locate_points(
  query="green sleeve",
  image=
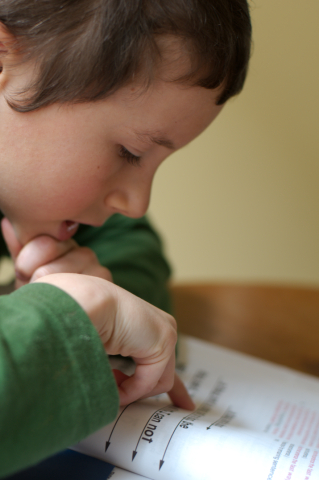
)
(132, 251)
(56, 384)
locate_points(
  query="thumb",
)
(13, 244)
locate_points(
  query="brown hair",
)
(85, 50)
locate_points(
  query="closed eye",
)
(132, 159)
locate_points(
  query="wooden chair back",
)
(276, 323)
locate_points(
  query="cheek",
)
(80, 182)
(72, 191)
(54, 193)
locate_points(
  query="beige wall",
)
(241, 202)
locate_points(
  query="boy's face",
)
(69, 164)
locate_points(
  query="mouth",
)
(68, 228)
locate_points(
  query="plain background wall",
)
(241, 202)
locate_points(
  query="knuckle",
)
(21, 265)
(167, 344)
(171, 320)
(171, 332)
(174, 337)
(88, 254)
(44, 242)
(104, 273)
(21, 274)
(169, 336)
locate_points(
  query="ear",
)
(7, 41)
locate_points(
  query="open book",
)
(253, 421)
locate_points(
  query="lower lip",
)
(67, 230)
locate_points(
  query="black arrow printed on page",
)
(162, 460)
(108, 443)
(202, 410)
(199, 412)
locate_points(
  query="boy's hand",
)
(44, 255)
(126, 324)
(131, 327)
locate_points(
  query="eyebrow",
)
(158, 139)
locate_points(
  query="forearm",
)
(56, 383)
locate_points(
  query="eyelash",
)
(132, 159)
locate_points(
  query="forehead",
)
(165, 113)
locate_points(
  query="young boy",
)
(94, 95)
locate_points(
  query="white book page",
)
(254, 421)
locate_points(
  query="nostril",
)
(117, 201)
(132, 202)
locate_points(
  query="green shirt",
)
(56, 384)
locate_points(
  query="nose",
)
(130, 197)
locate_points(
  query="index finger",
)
(147, 380)
(40, 251)
(180, 396)
(141, 386)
